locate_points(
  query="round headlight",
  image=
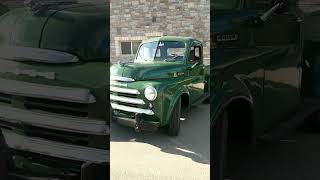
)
(150, 93)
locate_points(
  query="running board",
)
(306, 108)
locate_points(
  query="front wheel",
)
(219, 143)
(174, 123)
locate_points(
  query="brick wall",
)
(141, 19)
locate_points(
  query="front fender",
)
(3, 9)
(172, 93)
(223, 95)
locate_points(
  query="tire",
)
(3, 158)
(174, 122)
(219, 144)
(313, 123)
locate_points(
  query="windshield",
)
(224, 5)
(167, 51)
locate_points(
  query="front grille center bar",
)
(54, 121)
(19, 88)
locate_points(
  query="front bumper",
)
(138, 123)
(132, 109)
(89, 171)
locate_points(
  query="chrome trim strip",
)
(54, 121)
(126, 99)
(20, 53)
(132, 109)
(55, 149)
(124, 90)
(68, 94)
(120, 78)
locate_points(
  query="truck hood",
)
(65, 28)
(146, 71)
(82, 75)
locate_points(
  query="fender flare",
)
(3, 9)
(3, 156)
(225, 104)
(176, 95)
(235, 89)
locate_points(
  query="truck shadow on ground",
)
(193, 141)
(296, 157)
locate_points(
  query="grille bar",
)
(68, 94)
(55, 149)
(54, 121)
(127, 100)
(124, 90)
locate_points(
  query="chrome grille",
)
(126, 101)
(48, 114)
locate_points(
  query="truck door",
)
(280, 38)
(196, 73)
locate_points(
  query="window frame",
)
(194, 47)
(131, 47)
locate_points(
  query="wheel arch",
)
(181, 92)
(235, 107)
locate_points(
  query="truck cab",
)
(166, 75)
(255, 74)
(53, 91)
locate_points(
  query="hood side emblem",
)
(34, 73)
(227, 37)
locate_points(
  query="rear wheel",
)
(174, 123)
(219, 143)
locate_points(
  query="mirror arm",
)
(265, 16)
(194, 65)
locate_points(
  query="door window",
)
(195, 54)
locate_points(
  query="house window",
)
(129, 47)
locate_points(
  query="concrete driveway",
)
(156, 156)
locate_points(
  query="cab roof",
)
(171, 38)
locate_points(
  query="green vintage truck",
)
(166, 76)
(54, 120)
(264, 75)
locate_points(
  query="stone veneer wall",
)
(141, 19)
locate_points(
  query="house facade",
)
(136, 20)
